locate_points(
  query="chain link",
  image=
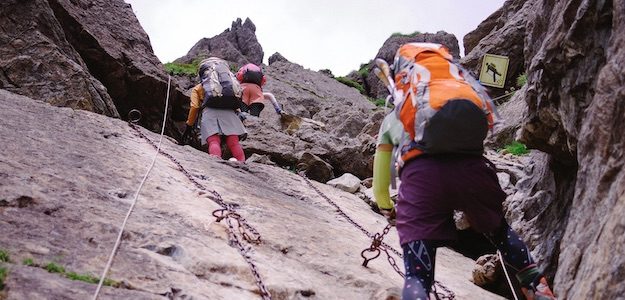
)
(378, 245)
(228, 213)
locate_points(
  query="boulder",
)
(261, 159)
(346, 182)
(276, 57)
(314, 167)
(487, 270)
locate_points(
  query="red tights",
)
(232, 141)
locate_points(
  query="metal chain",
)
(228, 213)
(377, 245)
(445, 294)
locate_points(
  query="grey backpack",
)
(221, 88)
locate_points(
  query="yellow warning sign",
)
(494, 70)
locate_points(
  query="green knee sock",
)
(527, 276)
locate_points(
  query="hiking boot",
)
(538, 290)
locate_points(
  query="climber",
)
(217, 97)
(252, 79)
(445, 115)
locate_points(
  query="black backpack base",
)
(226, 102)
(459, 127)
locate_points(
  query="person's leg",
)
(214, 145)
(256, 108)
(481, 200)
(419, 260)
(235, 148)
(517, 257)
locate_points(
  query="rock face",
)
(117, 51)
(66, 206)
(349, 120)
(237, 44)
(513, 112)
(37, 60)
(372, 84)
(575, 53)
(494, 23)
(91, 55)
(503, 33)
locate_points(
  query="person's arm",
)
(196, 102)
(382, 176)
(274, 102)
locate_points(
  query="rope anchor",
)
(367, 259)
(134, 116)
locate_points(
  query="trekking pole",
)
(503, 265)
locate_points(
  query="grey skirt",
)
(220, 121)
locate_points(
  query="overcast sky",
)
(323, 34)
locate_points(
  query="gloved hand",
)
(186, 135)
(242, 116)
(389, 214)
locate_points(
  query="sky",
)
(323, 34)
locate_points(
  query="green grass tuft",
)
(364, 70)
(82, 277)
(521, 80)
(28, 262)
(91, 279)
(380, 102)
(111, 282)
(516, 148)
(181, 69)
(4, 256)
(54, 268)
(348, 82)
(3, 275)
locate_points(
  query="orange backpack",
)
(443, 109)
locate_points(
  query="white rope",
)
(134, 201)
(503, 96)
(503, 265)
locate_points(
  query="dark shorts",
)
(432, 187)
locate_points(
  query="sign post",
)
(494, 70)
